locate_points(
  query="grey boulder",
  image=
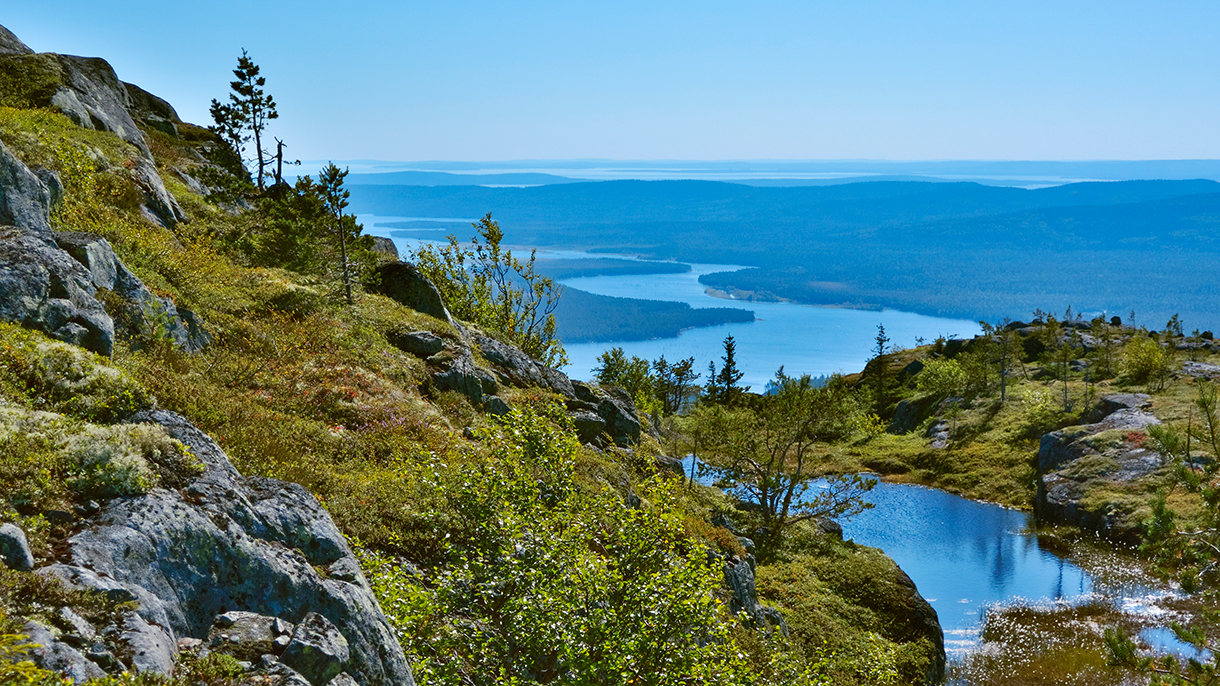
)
(317, 651)
(417, 343)
(403, 282)
(224, 543)
(59, 656)
(25, 200)
(42, 288)
(15, 549)
(139, 313)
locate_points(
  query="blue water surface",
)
(963, 555)
(802, 338)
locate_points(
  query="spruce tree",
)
(334, 198)
(722, 388)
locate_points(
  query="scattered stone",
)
(459, 374)
(589, 425)
(159, 205)
(101, 656)
(1201, 370)
(152, 647)
(58, 656)
(939, 433)
(15, 549)
(418, 343)
(80, 626)
(830, 527)
(317, 651)
(494, 404)
(910, 371)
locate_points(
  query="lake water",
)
(964, 555)
(802, 338)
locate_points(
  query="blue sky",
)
(699, 80)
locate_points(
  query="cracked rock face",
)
(1077, 459)
(224, 546)
(42, 288)
(25, 201)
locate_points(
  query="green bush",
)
(1145, 360)
(490, 287)
(942, 378)
(50, 375)
(546, 581)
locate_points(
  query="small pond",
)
(967, 556)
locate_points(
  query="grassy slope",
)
(299, 387)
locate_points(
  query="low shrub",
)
(49, 375)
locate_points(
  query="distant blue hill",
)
(954, 249)
(433, 178)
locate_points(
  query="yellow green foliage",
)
(543, 580)
(15, 667)
(942, 378)
(1145, 360)
(29, 80)
(844, 603)
(49, 375)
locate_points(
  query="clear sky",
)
(691, 80)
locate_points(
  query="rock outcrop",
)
(1108, 452)
(43, 288)
(476, 365)
(404, 283)
(87, 91)
(12, 45)
(137, 312)
(55, 282)
(252, 560)
(739, 578)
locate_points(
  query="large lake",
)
(802, 338)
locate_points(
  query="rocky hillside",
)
(220, 472)
(1053, 416)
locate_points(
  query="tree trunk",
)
(347, 278)
(258, 149)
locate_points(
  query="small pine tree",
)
(334, 198)
(248, 110)
(878, 370)
(722, 388)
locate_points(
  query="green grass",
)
(843, 602)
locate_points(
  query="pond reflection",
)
(963, 555)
